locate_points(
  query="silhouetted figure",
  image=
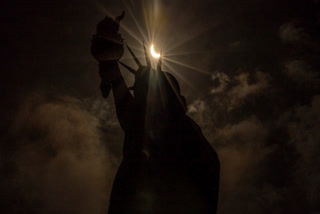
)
(168, 166)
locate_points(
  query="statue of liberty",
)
(168, 165)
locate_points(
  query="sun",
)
(153, 53)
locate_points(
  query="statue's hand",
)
(107, 44)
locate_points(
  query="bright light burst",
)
(151, 28)
(153, 53)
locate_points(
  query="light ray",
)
(146, 55)
(147, 21)
(182, 42)
(138, 54)
(135, 21)
(171, 69)
(188, 66)
(124, 27)
(134, 56)
(186, 53)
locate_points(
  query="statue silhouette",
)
(168, 166)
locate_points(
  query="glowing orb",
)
(153, 53)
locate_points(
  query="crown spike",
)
(128, 67)
(146, 55)
(159, 62)
(134, 56)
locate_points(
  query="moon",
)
(153, 53)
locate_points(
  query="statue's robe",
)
(168, 165)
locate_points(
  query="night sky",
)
(248, 69)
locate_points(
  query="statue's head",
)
(156, 92)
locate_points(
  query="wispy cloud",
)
(300, 72)
(62, 164)
(291, 33)
(223, 81)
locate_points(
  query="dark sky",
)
(249, 70)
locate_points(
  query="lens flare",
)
(153, 53)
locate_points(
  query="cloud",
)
(223, 80)
(243, 149)
(203, 115)
(303, 129)
(254, 166)
(302, 124)
(62, 164)
(244, 89)
(263, 171)
(291, 33)
(198, 106)
(233, 92)
(300, 72)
